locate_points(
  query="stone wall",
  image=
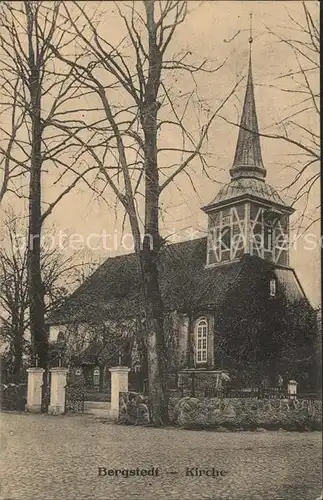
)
(246, 414)
(227, 414)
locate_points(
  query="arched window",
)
(96, 376)
(201, 333)
(60, 337)
(136, 367)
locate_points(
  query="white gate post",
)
(57, 390)
(292, 389)
(119, 383)
(34, 389)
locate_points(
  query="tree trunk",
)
(17, 364)
(35, 284)
(157, 374)
(157, 379)
(101, 380)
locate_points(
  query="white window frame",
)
(201, 340)
(272, 287)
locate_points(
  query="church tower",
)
(248, 216)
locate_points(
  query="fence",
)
(308, 395)
(257, 393)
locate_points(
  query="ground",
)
(48, 457)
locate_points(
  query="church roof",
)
(250, 188)
(113, 291)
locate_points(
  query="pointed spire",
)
(248, 160)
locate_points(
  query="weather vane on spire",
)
(250, 37)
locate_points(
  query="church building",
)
(233, 304)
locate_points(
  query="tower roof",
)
(247, 188)
(248, 159)
(248, 172)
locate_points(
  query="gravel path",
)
(57, 458)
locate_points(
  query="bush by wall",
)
(133, 409)
(13, 397)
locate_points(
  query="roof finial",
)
(250, 37)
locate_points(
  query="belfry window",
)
(268, 237)
(201, 334)
(226, 238)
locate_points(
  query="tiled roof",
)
(113, 291)
(292, 287)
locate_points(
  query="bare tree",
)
(61, 274)
(138, 85)
(36, 91)
(13, 296)
(11, 171)
(299, 125)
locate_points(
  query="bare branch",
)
(198, 147)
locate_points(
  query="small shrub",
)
(13, 397)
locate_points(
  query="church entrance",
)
(87, 385)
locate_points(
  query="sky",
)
(218, 31)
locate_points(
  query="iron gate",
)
(75, 393)
(46, 391)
